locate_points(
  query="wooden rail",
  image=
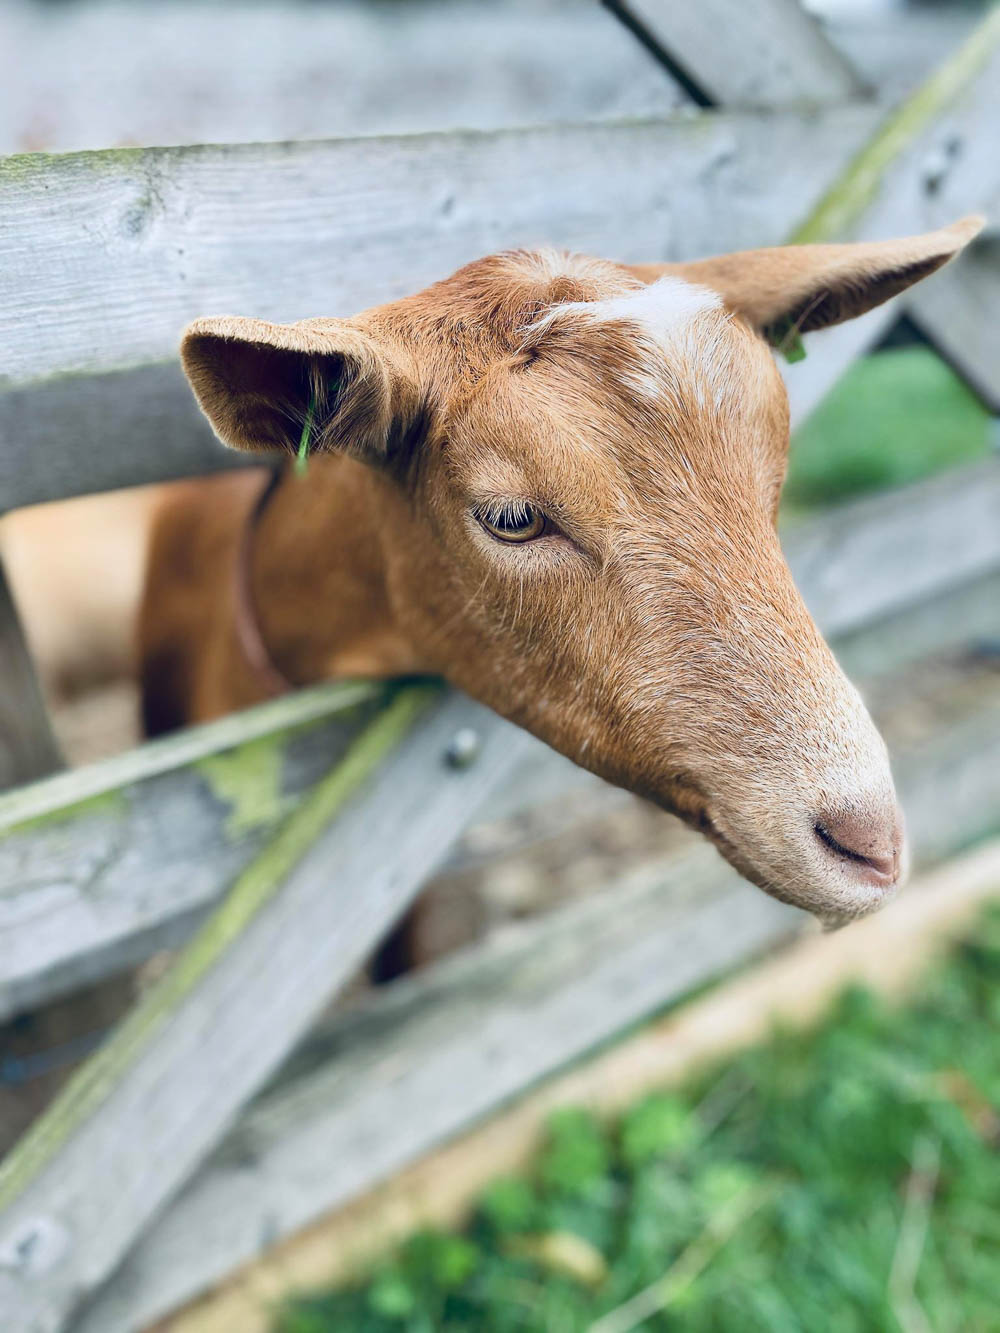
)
(93, 397)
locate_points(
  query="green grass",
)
(895, 416)
(833, 1180)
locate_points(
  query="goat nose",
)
(869, 843)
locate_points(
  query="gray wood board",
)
(83, 434)
(764, 53)
(957, 310)
(28, 748)
(185, 1080)
(100, 867)
(454, 1043)
(139, 242)
(102, 851)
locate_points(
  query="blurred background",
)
(78, 74)
(846, 1178)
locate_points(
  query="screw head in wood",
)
(34, 1247)
(463, 748)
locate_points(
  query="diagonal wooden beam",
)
(770, 52)
(742, 52)
(143, 1113)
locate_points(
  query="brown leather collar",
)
(270, 677)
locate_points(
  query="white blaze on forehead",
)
(670, 333)
(662, 308)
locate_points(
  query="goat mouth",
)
(699, 819)
(702, 822)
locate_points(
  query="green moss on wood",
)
(842, 205)
(110, 803)
(248, 780)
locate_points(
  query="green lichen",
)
(855, 189)
(248, 780)
(103, 803)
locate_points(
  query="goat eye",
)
(514, 521)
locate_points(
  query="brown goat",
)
(552, 480)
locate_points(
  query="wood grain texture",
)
(100, 867)
(28, 748)
(138, 1119)
(772, 52)
(764, 53)
(453, 1043)
(90, 859)
(139, 242)
(957, 310)
(144, 240)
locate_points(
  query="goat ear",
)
(804, 287)
(259, 384)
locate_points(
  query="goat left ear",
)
(806, 287)
(259, 384)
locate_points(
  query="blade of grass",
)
(692, 1261)
(920, 1187)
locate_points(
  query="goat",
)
(553, 480)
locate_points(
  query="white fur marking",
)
(663, 314)
(660, 309)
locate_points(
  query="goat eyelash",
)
(511, 521)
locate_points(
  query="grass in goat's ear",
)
(786, 337)
(302, 456)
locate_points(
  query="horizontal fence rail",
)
(91, 395)
(147, 239)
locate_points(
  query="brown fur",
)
(652, 633)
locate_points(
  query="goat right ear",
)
(806, 287)
(259, 384)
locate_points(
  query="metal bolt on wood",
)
(34, 1247)
(464, 748)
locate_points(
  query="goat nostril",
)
(873, 845)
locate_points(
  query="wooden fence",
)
(179, 1150)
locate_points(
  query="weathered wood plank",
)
(82, 434)
(452, 1044)
(781, 55)
(28, 748)
(725, 181)
(142, 1113)
(147, 841)
(733, 53)
(957, 310)
(885, 552)
(90, 858)
(142, 241)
